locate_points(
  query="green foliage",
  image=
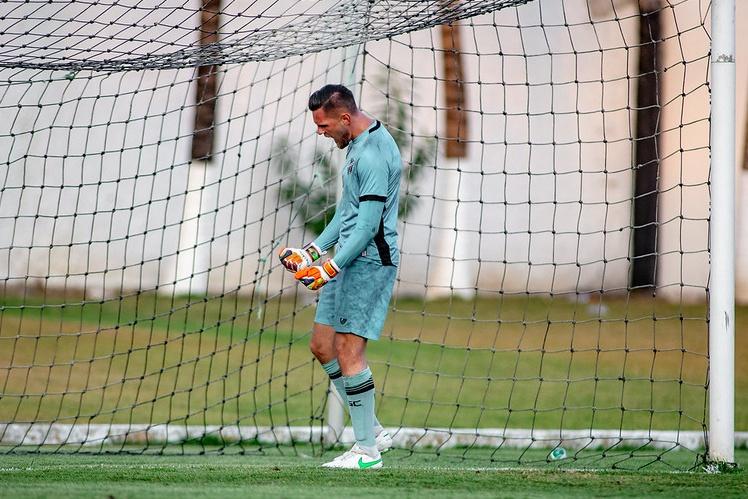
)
(314, 200)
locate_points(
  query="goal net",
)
(554, 225)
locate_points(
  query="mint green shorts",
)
(357, 300)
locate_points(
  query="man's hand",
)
(317, 276)
(295, 259)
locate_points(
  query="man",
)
(356, 285)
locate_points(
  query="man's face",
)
(333, 124)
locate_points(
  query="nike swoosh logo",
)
(363, 465)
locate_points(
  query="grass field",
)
(516, 362)
(638, 364)
(298, 476)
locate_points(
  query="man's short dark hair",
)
(332, 97)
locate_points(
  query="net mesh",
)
(116, 36)
(554, 225)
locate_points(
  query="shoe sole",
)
(375, 467)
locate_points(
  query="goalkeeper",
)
(356, 285)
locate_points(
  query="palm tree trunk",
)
(193, 259)
(454, 91)
(452, 270)
(646, 170)
(205, 97)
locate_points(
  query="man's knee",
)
(322, 343)
(317, 347)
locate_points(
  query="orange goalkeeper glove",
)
(295, 259)
(317, 276)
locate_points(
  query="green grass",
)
(513, 362)
(289, 474)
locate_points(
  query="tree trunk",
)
(453, 269)
(205, 97)
(454, 91)
(646, 170)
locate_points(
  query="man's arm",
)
(370, 211)
(373, 176)
(330, 234)
(373, 179)
(369, 215)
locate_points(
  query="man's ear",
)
(345, 118)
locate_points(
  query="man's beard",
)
(343, 142)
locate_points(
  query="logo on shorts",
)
(343, 320)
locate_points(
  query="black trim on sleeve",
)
(372, 197)
(375, 127)
(382, 247)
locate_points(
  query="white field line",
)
(406, 438)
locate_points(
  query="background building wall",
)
(96, 164)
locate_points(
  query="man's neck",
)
(360, 123)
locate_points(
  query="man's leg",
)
(322, 343)
(359, 389)
(322, 346)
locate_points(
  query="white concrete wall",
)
(741, 109)
(103, 210)
(93, 173)
(590, 246)
(538, 150)
(683, 265)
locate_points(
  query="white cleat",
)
(356, 459)
(384, 441)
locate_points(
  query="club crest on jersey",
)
(350, 166)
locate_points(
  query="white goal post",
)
(722, 236)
